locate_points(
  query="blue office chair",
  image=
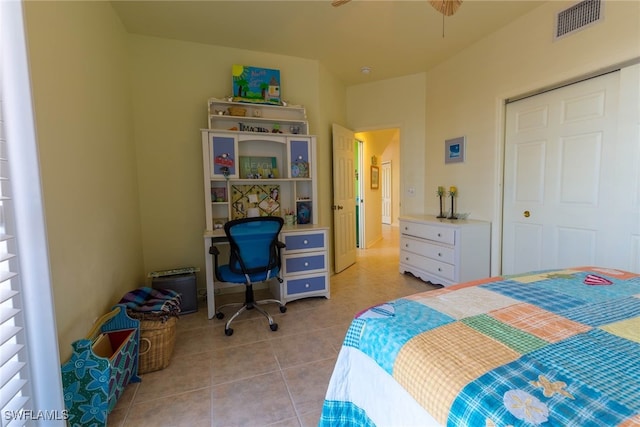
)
(254, 257)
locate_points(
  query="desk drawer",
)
(430, 250)
(306, 284)
(306, 241)
(438, 234)
(304, 263)
(429, 265)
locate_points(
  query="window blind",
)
(13, 358)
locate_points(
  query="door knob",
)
(526, 214)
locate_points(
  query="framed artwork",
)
(375, 177)
(454, 150)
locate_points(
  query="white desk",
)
(305, 264)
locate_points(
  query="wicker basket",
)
(157, 339)
(237, 111)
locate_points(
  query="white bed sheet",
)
(358, 379)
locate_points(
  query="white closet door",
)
(570, 178)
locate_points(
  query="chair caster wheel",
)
(283, 309)
(274, 327)
(219, 315)
(228, 332)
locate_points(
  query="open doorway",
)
(376, 150)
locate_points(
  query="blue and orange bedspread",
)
(557, 348)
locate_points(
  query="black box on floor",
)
(185, 284)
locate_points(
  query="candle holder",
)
(440, 194)
(451, 214)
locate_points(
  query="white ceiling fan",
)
(445, 7)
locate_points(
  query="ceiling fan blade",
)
(446, 7)
(336, 3)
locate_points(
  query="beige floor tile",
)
(308, 385)
(243, 361)
(184, 374)
(191, 409)
(257, 401)
(293, 350)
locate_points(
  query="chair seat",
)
(227, 275)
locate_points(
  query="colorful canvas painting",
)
(256, 85)
(264, 197)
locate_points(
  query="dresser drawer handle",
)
(406, 245)
(439, 254)
(306, 264)
(306, 285)
(439, 235)
(407, 258)
(305, 241)
(439, 269)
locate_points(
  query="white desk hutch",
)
(260, 158)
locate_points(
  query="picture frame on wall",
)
(375, 177)
(454, 150)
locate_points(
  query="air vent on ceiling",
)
(577, 17)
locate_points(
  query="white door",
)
(344, 198)
(386, 192)
(569, 180)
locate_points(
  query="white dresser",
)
(445, 251)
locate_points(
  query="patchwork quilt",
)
(550, 348)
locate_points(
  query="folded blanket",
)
(164, 302)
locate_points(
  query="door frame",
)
(501, 119)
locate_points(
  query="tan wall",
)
(79, 74)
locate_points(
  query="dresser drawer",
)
(425, 231)
(304, 241)
(430, 250)
(306, 284)
(304, 263)
(429, 265)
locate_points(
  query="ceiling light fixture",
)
(365, 70)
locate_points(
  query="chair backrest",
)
(253, 243)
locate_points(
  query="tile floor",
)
(257, 377)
